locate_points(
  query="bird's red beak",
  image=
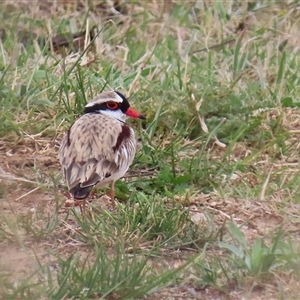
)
(134, 114)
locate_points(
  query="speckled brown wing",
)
(97, 149)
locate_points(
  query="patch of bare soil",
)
(20, 261)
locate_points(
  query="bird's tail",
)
(79, 192)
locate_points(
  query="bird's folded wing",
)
(92, 151)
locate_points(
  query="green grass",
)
(210, 207)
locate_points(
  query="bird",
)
(99, 146)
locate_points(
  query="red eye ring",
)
(112, 105)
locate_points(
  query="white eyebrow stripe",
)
(118, 99)
(90, 104)
(100, 100)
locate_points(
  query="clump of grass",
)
(145, 222)
(111, 274)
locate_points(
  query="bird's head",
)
(113, 104)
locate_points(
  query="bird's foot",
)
(73, 202)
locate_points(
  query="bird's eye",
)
(112, 105)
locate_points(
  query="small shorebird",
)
(99, 147)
